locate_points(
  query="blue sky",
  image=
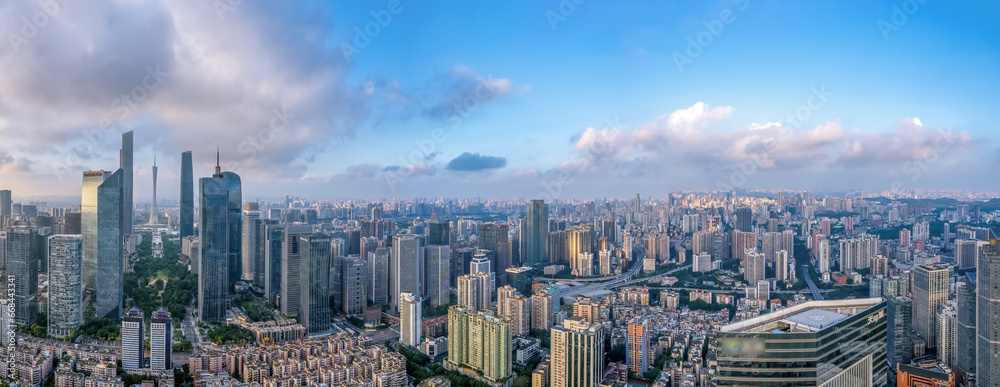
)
(554, 69)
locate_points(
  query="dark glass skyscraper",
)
(439, 233)
(535, 234)
(5, 203)
(187, 196)
(213, 233)
(820, 343)
(899, 325)
(126, 166)
(22, 251)
(110, 243)
(744, 219)
(235, 226)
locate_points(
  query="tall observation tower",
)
(152, 213)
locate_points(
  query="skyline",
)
(603, 107)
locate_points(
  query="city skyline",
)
(870, 96)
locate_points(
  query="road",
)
(638, 253)
(812, 286)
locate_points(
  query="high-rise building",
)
(781, 268)
(274, 242)
(925, 374)
(160, 342)
(701, 263)
(604, 259)
(475, 291)
(770, 244)
(378, 276)
(577, 357)
(406, 268)
(898, 326)
(742, 242)
(479, 341)
(753, 267)
(543, 309)
(133, 351)
(967, 253)
(817, 343)
(437, 267)
(126, 184)
(637, 349)
(536, 234)
(111, 233)
(987, 313)
(744, 219)
(251, 213)
(213, 237)
(353, 285)
(88, 224)
(187, 196)
(410, 319)
(965, 334)
(947, 329)
(5, 204)
(65, 306)
(259, 243)
(235, 208)
(313, 303)
(152, 211)
(520, 279)
(438, 233)
(930, 291)
(493, 237)
(22, 251)
(823, 256)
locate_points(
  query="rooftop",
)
(813, 316)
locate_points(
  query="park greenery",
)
(160, 282)
(230, 334)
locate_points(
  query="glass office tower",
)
(820, 343)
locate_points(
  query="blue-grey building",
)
(187, 196)
(110, 246)
(213, 233)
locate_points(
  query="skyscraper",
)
(314, 301)
(543, 309)
(577, 354)
(187, 196)
(781, 271)
(353, 285)
(493, 237)
(235, 206)
(965, 335)
(133, 327)
(406, 268)
(250, 252)
(753, 267)
(898, 326)
(378, 276)
(22, 251)
(438, 233)
(437, 267)
(930, 291)
(152, 212)
(987, 314)
(637, 350)
(833, 343)
(159, 340)
(110, 246)
(274, 242)
(410, 319)
(536, 234)
(475, 291)
(65, 306)
(947, 328)
(5, 203)
(213, 235)
(744, 219)
(88, 225)
(126, 183)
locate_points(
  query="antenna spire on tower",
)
(218, 170)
